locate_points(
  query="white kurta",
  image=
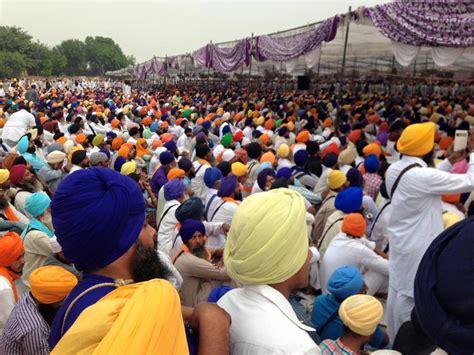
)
(7, 301)
(167, 226)
(197, 183)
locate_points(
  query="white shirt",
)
(167, 226)
(222, 214)
(197, 183)
(17, 125)
(7, 301)
(263, 322)
(184, 143)
(358, 252)
(416, 217)
(322, 184)
(379, 233)
(74, 168)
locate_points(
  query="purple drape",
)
(152, 66)
(283, 49)
(230, 58)
(434, 23)
(201, 56)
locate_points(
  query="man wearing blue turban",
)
(344, 282)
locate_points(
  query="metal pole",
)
(250, 62)
(341, 83)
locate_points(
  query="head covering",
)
(98, 157)
(4, 176)
(372, 148)
(283, 151)
(192, 208)
(444, 289)
(173, 189)
(17, 172)
(98, 140)
(111, 210)
(329, 160)
(361, 314)
(269, 157)
(51, 284)
(228, 155)
(53, 147)
(226, 140)
(117, 142)
(11, 248)
(23, 144)
(354, 136)
(227, 186)
(347, 156)
(265, 139)
(302, 137)
(354, 224)
(355, 177)
(140, 318)
(262, 177)
(175, 173)
(119, 163)
(9, 159)
(189, 227)
(124, 151)
(301, 157)
(37, 203)
(284, 172)
(211, 175)
(345, 281)
(128, 168)
(239, 169)
(217, 293)
(254, 150)
(336, 179)
(267, 242)
(349, 200)
(417, 139)
(166, 158)
(371, 163)
(56, 157)
(78, 156)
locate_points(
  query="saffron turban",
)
(267, 242)
(192, 208)
(128, 168)
(37, 203)
(239, 169)
(349, 200)
(117, 143)
(345, 281)
(211, 175)
(361, 314)
(56, 157)
(4, 175)
(175, 173)
(417, 139)
(347, 156)
(51, 284)
(227, 186)
(371, 163)
(336, 179)
(302, 137)
(354, 224)
(283, 151)
(141, 318)
(111, 210)
(17, 172)
(372, 148)
(189, 227)
(265, 139)
(123, 151)
(11, 248)
(269, 157)
(173, 189)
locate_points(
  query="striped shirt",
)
(335, 347)
(26, 332)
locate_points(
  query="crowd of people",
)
(200, 221)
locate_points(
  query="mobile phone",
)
(460, 140)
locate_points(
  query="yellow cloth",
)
(4, 175)
(361, 313)
(283, 151)
(239, 169)
(336, 179)
(450, 218)
(417, 139)
(51, 284)
(128, 168)
(259, 121)
(73, 150)
(267, 242)
(142, 318)
(347, 156)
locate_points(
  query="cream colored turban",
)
(361, 313)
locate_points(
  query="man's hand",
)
(225, 228)
(457, 156)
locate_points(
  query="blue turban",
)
(53, 147)
(371, 163)
(171, 146)
(111, 134)
(329, 160)
(96, 225)
(207, 124)
(345, 281)
(225, 129)
(349, 200)
(23, 144)
(282, 131)
(301, 157)
(345, 128)
(211, 175)
(37, 203)
(444, 289)
(217, 293)
(173, 189)
(227, 186)
(118, 163)
(248, 121)
(301, 112)
(354, 176)
(189, 227)
(263, 166)
(284, 173)
(192, 208)
(166, 158)
(262, 177)
(154, 126)
(106, 152)
(164, 116)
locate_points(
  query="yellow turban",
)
(239, 169)
(283, 151)
(347, 156)
(267, 241)
(4, 175)
(336, 179)
(142, 318)
(450, 218)
(417, 139)
(260, 121)
(128, 168)
(291, 126)
(361, 313)
(51, 284)
(73, 150)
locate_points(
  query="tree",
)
(131, 59)
(12, 64)
(103, 54)
(74, 52)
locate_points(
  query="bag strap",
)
(217, 209)
(163, 216)
(395, 185)
(326, 200)
(209, 205)
(327, 230)
(251, 166)
(200, 166)
(327, 322)
(377, 218)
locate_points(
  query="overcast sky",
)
(146, 28)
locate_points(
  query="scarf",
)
(36, 225)
(230, 199)
(10, 214)
(185, 249)
(203, 162)
(11, 277)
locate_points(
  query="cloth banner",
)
(312, 58)
(228, 59)
(201, 56)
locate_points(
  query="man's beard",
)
(31, 150)
(199, 251)
(47, 220)
(3, 202)
(429, 159)
(238, 196)
(147, 265)
(48, 312)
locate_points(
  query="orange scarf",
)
(185, 249)
(230, 199)
(204, 162)
(11, 277)
(10, 214)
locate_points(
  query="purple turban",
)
(284, 173)
(118, 163)
(189, 227)
(166, 158)
(171, 146)
(227, 186)
(355, 177)
(262, 177)
(173, 189)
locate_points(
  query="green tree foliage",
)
(74, 52)
(103, 54)
(12, 64)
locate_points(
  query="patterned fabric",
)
(335, 347)
(372, 184)
(26, 332)
(227, 59)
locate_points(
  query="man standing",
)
(416, 217)
(17, 125)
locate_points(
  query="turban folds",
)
(192, 208)
(354, 224)
(267, 241)
(37, 203)
(141, 318)
(112, 212)
(301, 157)
(349, 200)
(4, 175)
(361, 314)
(371, 163)
(302, 137)
(17, 172)
(347, 156)
(175, 173)
(239, 169)
(262, 177)
(417, 139)
(269, 157)
(78, 156)
(283, 151)
(11, 248)
(173, 189)
(166, 158)
(128, 168)
(329, 160)
(51, 284)
(372, 148)
(189, 227)
(336, 179)
(345, 281)
(227, 186)
(211, 175)
(56, 157)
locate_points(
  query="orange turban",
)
(269, 124)
(81, 138)
(2, 122)
(117, 143)
(11, 248)
(354, 136)
(446, 142)
(200, 121)
(354, 224)
(237, 117)
(374, 118)
(178, 121)
(302, 137)
(175, 173)
(372, 148)
(156, 143)
(61, 140)
(455, 198)
(115, 123)
(268, 156)
(265, 138)
(9, 159)
(147, 121)
(327, 123)
(124, 151)
(332, 148)
(166, 137)
(51, 284)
